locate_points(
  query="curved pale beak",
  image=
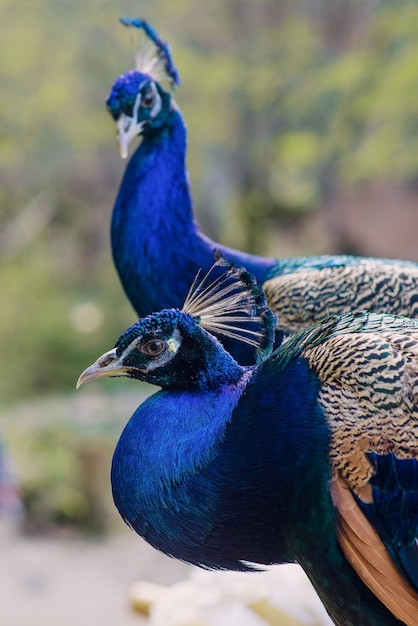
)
(106, 366)
(128, 128)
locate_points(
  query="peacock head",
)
(164, 349)
(137, 101)
(179, 349)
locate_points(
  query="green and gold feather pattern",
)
(306, 296)
(368, 368)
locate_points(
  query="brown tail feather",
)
(369, 558)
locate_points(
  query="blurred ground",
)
(63, 582)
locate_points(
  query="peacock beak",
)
(106, 366)
(126, 132)
(128, 128)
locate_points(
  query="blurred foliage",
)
(62, 446)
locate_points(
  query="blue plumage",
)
(394, 510)
(233, 467)
(158, 247)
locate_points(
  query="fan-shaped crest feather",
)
(232, 305)
(153, 56)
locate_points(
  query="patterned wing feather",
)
(368, 368)
(307, 296)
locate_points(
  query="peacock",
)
(158, 247)
(310, 455)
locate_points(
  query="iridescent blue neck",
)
(152, 221)
(157, 246)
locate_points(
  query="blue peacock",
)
(310, 455)
(158, 247)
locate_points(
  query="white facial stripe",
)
(136, 107)
(158, 102)
(128, 349)
(173, 345)
(157, 98)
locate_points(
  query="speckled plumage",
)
(368, 368)
(158, 248)
(305, 296)
(230, 466)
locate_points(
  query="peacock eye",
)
(148, 100)
(153, 347)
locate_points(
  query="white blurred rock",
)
(281, 596)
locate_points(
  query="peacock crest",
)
(227, 301)
(153, 55)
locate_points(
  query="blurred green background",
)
(303, 134)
